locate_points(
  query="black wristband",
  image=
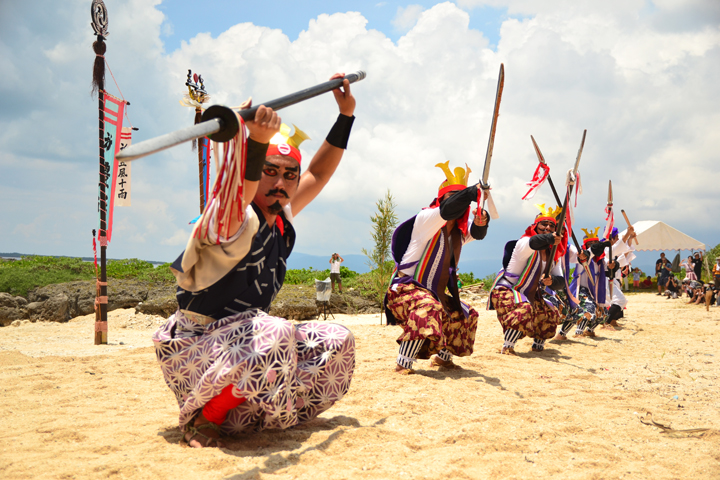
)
(340, 132)
(256, 152)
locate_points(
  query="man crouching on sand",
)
(423, 296)
(232, 367)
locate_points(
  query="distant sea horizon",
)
(479, 267)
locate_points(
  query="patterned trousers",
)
(585, 314)
(422, 316)
(537, 320)
(288, 373)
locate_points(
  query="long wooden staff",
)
(541, 159)
(629, 225)
(561, 223)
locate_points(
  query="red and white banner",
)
(123, 177)
(113, 109)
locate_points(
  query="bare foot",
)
(588, 333)
(203, 433)
(508, 351)
(436, 361)
(560, 338)
(403, 371)
(536, 349)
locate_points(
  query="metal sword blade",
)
(580, 150)
(541, 159)
(493, 127)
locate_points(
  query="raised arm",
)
(328, 156)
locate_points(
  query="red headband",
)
(285, 150)
(588, 240)
(545, 219)
(450, 188)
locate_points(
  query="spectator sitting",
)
(685, 287)
(672, 287)
(699, 294)
(647, 283)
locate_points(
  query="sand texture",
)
(75, 410)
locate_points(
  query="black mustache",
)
(275, 191)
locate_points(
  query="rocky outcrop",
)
(11, 309)
(63, 301)
(160, 301)
(298, 302)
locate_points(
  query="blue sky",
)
(292, 17)
(640, 76)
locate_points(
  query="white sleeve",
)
(427, 223)
(619, 248)
(556, 271)
(573, 254)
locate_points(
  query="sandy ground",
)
(75, 410)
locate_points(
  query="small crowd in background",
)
(672, 287)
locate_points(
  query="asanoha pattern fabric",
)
(422, 316)
(537, 320)
(288, 373)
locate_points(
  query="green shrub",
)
(18, 277)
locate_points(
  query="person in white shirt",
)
(335, 262)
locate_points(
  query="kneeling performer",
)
(516, 294)
(233, 367)
(423, 296)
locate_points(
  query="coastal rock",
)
(351, 303)
(160, 301)
(126, 293)
(298, 302)
(53, 309)
(80, 296)
(63, 301)
(11, 308)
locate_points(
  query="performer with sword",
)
(423, 296)
(562, 298)
(592, 288)
(530, 265)
(621, 254)
(231, 366)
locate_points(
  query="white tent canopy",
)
(654, 235)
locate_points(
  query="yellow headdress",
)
(590, 236)
(284, 144)
(549, 213)
(591, 233)
(283, 136)
(456, 180)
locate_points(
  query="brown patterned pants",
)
(537, 320)
(422, 316)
